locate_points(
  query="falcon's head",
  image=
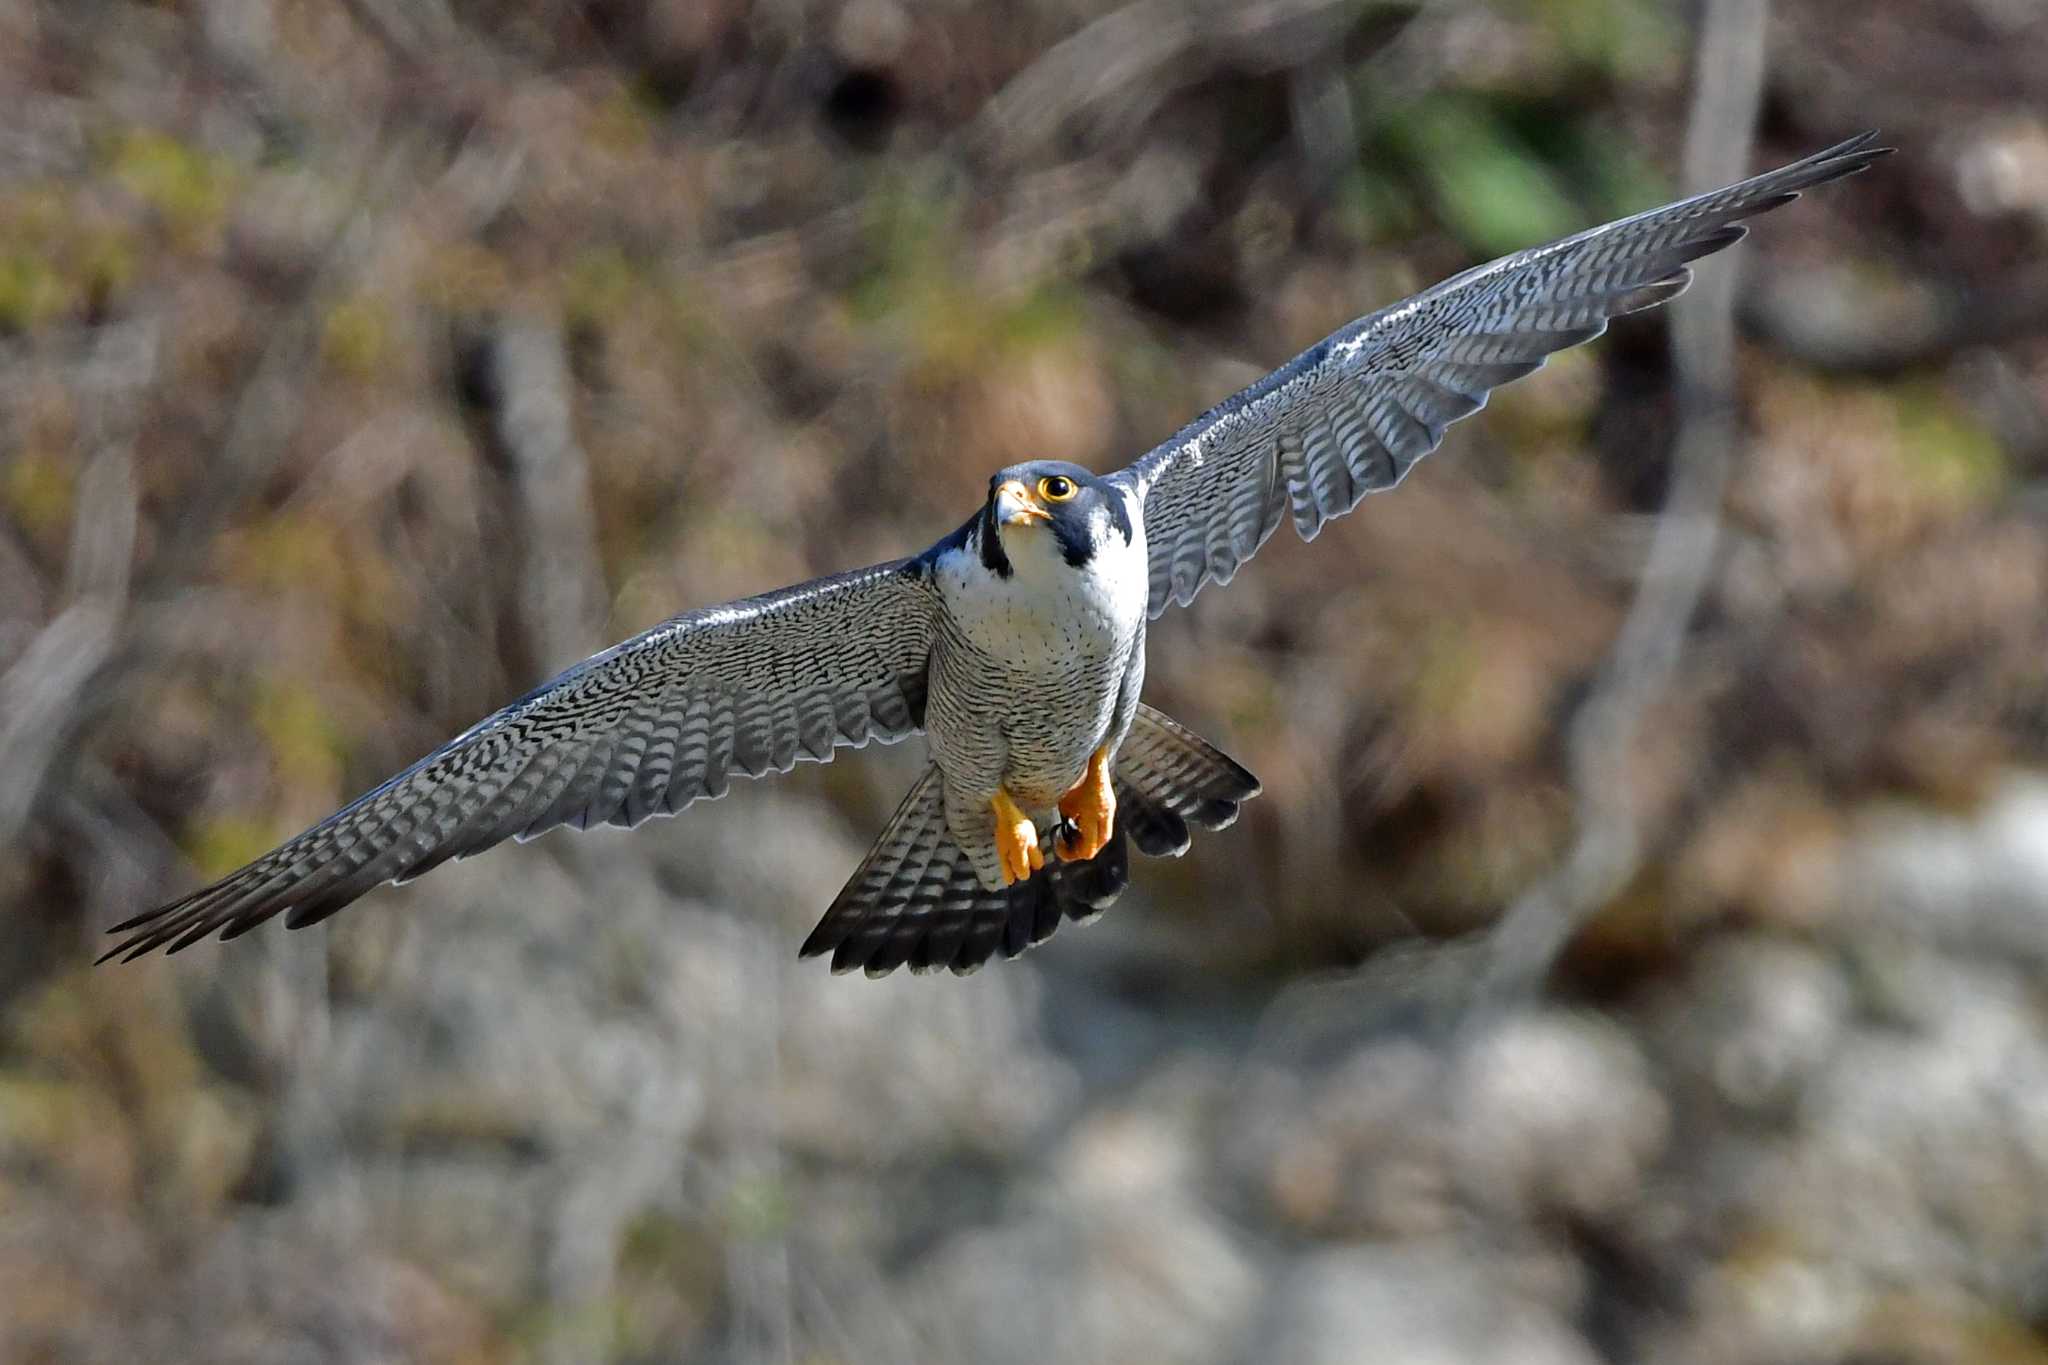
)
(1042, 505)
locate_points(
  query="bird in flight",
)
(1017, 643)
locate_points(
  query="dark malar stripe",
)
(992, 557)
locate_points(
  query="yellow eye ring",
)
(1057, 488)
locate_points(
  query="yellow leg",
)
(1091, 808)
(1016, 839)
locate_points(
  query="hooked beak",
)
(1016, 507)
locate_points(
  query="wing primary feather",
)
(693, 752)
(615, 785)
(1655, 292)
(648, 791)
(1411, 370)
(718, 757)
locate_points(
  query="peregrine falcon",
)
(1017, 643)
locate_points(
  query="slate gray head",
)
(1050, 498)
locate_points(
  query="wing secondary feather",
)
(641, 729)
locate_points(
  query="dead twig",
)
(528, 389)
(40, 695)
(1117, 70)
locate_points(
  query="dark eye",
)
(1056, 488)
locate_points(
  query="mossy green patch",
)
(37, 490)
(308, 745)
(909, 225)
(690, 328)
(222, 843)
(1949, 451)
(1448, 664)
(1622, 39)
(915, 283)
(32, 291)
(598, 286)
(105, 265)
(659, 1243)
(624, 122)
(1485, 184)
(356, 337)
(290, 553)
(188, 188)
(465, 277)
(758, 1208)
(56, 260)
(1370, 206)
(40, 1115)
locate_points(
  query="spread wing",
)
(1353, 413)
(642, 729)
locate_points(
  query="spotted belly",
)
(1029, 729)
(1050, 737)
(1028, 668)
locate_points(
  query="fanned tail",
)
(915, 901)
(1168, 777)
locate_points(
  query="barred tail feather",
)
(915, 901)
(1168, 777)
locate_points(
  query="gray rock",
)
(1753, 1020)
(1428, 1303)
(1554, 1112)
(1358, 1152)
(1976, 882)
(1110, 1277)
(1920, 1153)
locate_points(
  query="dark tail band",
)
(915, 901)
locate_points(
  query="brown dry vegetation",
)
(362, 362)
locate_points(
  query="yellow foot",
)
(1090, 809)
(1016, 839)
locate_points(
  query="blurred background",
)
(1635, 955)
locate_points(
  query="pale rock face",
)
(1420, 1303)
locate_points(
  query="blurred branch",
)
(43, 695)
(409, 32)
(1325, 124)
(123, 844)
(40, 695)
(1607, 849)
(758, 1272)
(1123, 56)
(1124, 65)
(592, 1218)
(453, 70)
(523, 372)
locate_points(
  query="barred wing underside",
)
(1352, 414)
(642, 729)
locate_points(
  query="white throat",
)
(1045, 603)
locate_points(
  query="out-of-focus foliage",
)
(362, 361)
